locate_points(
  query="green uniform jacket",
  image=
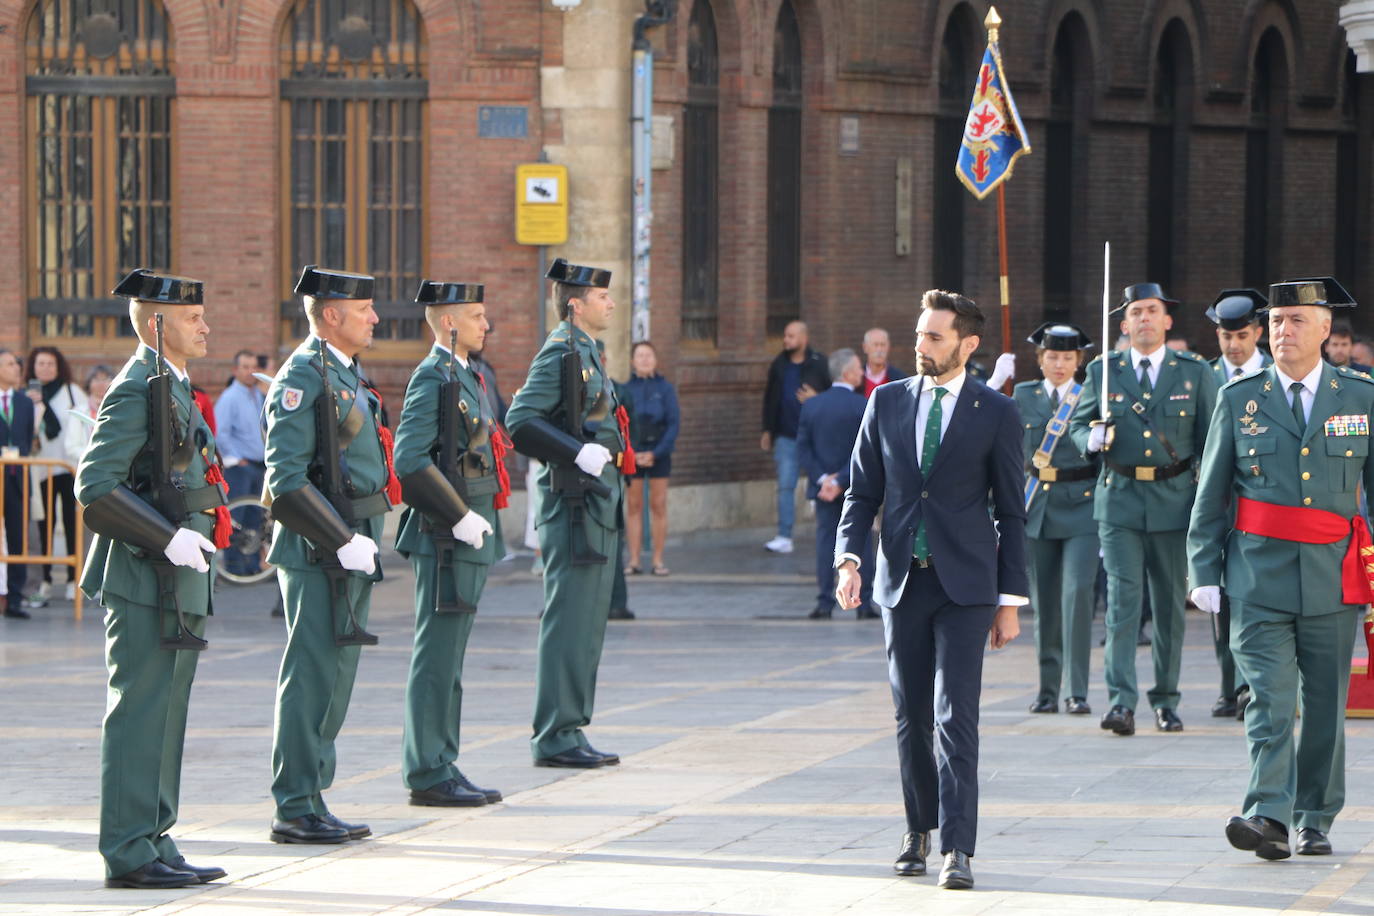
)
(116, 455)
(417, 447)
(1179, 407)
(290, 446)
(1059, 510)
(542, 396)
(1257, 453)
(1222, 368)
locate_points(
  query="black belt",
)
(368, 506)
(1150, 472)
(1062, 475)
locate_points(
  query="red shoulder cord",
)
(622, 419)
(500, 445)
(393, 486)
(214, 475)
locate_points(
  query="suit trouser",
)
(1287, 658)
(1062, 574)
(142, 735)
(577, 604)
(827, 527)
(1130, 556)
(935, 666)
(434, 690)
(313, 688)
(15, 499)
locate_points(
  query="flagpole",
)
(992, 22)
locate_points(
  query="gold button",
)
(1087, 492)
(1252, 451)
(1147, 434)
(1306, 475)
(1305, 451)
(1183, 413)
(1348, 453)
(1045, 486)
(1148, 453)
(1307, 500)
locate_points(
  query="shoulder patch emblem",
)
(291, 398)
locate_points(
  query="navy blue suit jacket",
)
(18, 432)
(825, 435)
(976, 480)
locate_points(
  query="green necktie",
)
(7, 396)
(930, 444)
(1145, 386)
(1054, 401)
(1298, 417)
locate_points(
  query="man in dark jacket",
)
(16, 433)
(797, 374)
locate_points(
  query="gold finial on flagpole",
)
(992, 22)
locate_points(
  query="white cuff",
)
(1013, 600)
(849, 556)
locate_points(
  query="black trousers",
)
(935, 666)
(17, 573)
(63, 496)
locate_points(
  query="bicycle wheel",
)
(244, 561)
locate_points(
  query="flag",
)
(993, 134)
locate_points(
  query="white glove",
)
(1207, 598)
(471, 529)
(1003, 371)
(359, 554)
(1096, 436)
(188, 548)
(592, 458)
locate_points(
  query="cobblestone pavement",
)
(759, 773)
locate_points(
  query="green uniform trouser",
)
(1062, 573)
(1221, 643)
(313, 688)
(140, 744)
(577, 604)
(1162, 556)
(434, 691)
(1284, 657)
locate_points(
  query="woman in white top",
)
(76, 435)
(54, 394)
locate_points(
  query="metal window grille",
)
(784, 174)
(700, 179)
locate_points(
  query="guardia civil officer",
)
(1236, 313)
(566, 415)
(151, 487)
(1287, 451)
(328, 462)
(449, 452)
(1060, 532)
(1160, 402)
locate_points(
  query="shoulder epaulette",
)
(1189, 355)
(1347, 372)
(1252, 374)
(1033, 383)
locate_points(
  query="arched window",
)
(700, 181)
(1168, 167)
(784, 174)
(1066, 164)
(99, 177)
(957, 68)
(1264, 161)
(353, 95)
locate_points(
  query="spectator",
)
(1340, 345)
(877, 370)
(797, 374)
(16, 440)
(238, 416)
(825, 438)
(1361, 351)
(53, 395)
(653, 436)
(78, 432)
(1177, 342)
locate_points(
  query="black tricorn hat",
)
(1310, 291)
(1237, 309)
(437, 292)
(577, 275)
(1058, 335)
(147, 286)
(333, 284)
(1137, 291)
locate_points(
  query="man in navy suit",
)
(16, 432)
(937, 452)
(825, 437)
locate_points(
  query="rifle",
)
(568, 480)
(329, 471)
(166, 494)
(450, 393)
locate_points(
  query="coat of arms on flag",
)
(993, 134)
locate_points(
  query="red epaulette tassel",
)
(224, 526)
(622, 419)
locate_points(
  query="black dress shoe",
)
(1263, 836)
(866, 612)
(576, 758)
(355, 831)
(1119, 719)
(1166, 720)
(1044, 704)
(821, 612)
(1077, 706)
(491, 795)
(448, 794)
(308, 829)
(622, 613)
(911, 860)
(16, 612)
(203, 875)
(1312, 842)
(957, 875)
(1224, 708)
(611, 760)
(156, 874)
(1243, 697)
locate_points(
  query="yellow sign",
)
(541, 204)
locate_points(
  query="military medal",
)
(1251, 406)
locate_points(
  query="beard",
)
(934, 369)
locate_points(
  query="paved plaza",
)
(759, 773)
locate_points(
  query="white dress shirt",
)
(1063, 389)
(1309, 387)
(1256, 361)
